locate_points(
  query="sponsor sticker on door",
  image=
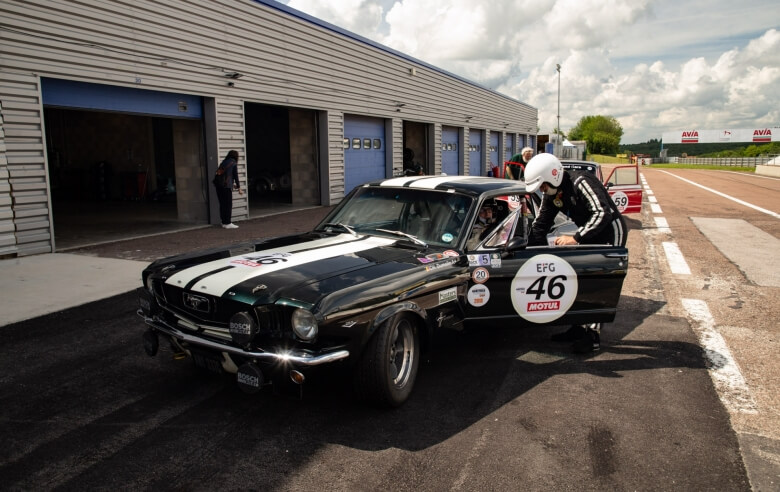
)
(544, 288)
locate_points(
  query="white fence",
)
(770, 160)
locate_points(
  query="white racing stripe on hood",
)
(433, 182)
(251, 265)
(184, 277)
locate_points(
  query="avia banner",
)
(752, 135)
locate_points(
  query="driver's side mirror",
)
(517, 242)
(609, 185)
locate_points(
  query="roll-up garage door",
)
(364, 150)
(509, 150)
(449, 151)
(494, 149)
(475, 153)
(82, 95)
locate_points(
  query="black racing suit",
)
(583, 198)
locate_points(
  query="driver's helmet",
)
(543, 168)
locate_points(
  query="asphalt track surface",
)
(494, 408)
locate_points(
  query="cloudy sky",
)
(655, 65)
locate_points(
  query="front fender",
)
(390, 311)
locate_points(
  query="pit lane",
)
(494, 408)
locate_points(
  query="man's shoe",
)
(229, 226)
(575, 332)
(590, 342)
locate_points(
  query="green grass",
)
(607, 159)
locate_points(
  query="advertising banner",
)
(751, 135)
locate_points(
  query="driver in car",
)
(482, 226)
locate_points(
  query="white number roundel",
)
(544, 288)
(621, 200)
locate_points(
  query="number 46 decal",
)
(555, 289)
(544, 288)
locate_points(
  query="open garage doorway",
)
(416, 148)
(282, 158)
(117, 175)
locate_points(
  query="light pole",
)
(558, 137)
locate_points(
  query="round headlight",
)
(304, 325)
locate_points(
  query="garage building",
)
(115, 114)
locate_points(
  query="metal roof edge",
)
(349, 34)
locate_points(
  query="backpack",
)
(221, 177)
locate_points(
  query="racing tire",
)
(387, 369)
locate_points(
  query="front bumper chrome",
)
(295, 357)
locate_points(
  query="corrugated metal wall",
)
(7, 227)
(22, 114)
(284, 58)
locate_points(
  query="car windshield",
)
(429, 216)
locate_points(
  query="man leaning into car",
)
(583, 198)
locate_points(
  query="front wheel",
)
(388, 367)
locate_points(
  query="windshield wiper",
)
(341, 226)
(406, 235)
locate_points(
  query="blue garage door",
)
(364, 150)
(510, 147)
(475, 153)
(521, 143)
(494, 150)
(449, 151)
(83, 95)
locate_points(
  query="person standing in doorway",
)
(225, 182)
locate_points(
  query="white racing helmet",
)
(543, 168)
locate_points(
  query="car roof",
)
(580, 165)
(468, 185)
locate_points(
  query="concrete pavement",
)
(41, 284)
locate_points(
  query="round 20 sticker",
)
(544, 288)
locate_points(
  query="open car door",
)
(624, 188)
(542, 285)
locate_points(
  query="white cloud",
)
(655, 65)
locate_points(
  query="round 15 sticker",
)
(544, 288)
(621, 200)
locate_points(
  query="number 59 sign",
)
(544, 288)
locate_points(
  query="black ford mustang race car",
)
(370, 285)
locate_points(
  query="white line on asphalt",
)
(675, 259)
(752, 175)
(655, 208)
(741, 202)
(661, 224)
(724, 371)
(652, 199)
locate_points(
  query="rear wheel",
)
(387, 369)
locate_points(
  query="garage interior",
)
(117, 175)
(282, 162)
(416, 147)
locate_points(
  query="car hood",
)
(302, 268)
